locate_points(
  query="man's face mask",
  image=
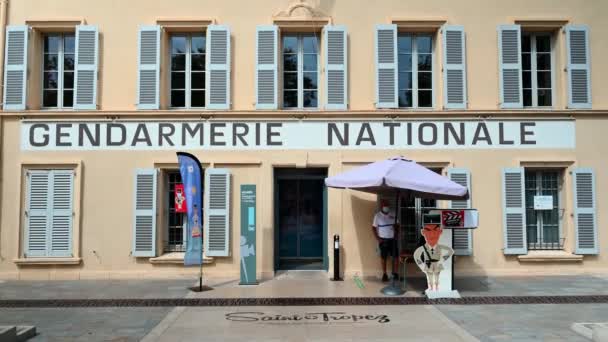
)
(385, 210)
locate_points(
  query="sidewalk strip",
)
(317, 301)
(463, 334)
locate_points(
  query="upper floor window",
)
(300, 71)
(58, 70)
(188, 70)
(537, 69)
(415, 66)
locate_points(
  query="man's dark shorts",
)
(388, 248)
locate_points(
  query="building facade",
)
(507, 98)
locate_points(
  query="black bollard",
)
(337, 258)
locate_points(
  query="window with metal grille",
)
(188, 53)
(415, 65)
(300, 70)
(58, 70)
(175, 240)
(411, 213)
(537, 69)
(543, 226)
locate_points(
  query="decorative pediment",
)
(301, 10)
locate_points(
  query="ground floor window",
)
(411, 213)
(543, 226)
(175, 237)
(48, 213)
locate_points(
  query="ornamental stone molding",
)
(301, 10)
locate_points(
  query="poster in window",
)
(180, 199)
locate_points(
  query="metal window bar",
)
(543, 226)
(174, 240)
(411, 213)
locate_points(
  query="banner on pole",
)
(190, 170)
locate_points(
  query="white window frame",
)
(187, 70)
(60, 71)
(414, 69)
(300, 72)
(560, 207)
(74, 228)
(533, 68)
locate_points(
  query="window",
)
(411, 213)
(48, 213)
(537, 69)
(415, 64)
(188, 70)
(175, 240)
(58, 71)
(542, 226)
(300, 71)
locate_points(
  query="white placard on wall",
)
(543, 202)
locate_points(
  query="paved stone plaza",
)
(114, 321)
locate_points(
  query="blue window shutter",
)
(386, 66)
(585, 217)
(85, 77)
(336, 78)
(15, 67)
(218, 67)
(454, 67)
(579, 74)
(266, 67)
(37, 213)
(514, 211)
(463, 238)
(61, 219)
(509, 63)
(144, 213)
(148, 69)
(217, 212)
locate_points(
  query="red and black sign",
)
(452, 218)
(180, 199)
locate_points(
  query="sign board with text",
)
(543, 202)
(295, 135)
(248, 240)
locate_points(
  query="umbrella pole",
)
(394, 289)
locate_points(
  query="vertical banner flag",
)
(190, 170)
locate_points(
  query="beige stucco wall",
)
(118, 22)
(106, 178)
(106, 193)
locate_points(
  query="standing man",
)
(384, 227)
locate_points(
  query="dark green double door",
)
(300, 220)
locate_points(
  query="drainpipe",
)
(3, 8)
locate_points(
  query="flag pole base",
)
(200, 288)
(393, 289)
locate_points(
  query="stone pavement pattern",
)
(538, 322)
(484, 322)
(318, 323)
(86, 324)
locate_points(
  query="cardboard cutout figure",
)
(431, 256)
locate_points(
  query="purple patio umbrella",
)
(398, 176)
